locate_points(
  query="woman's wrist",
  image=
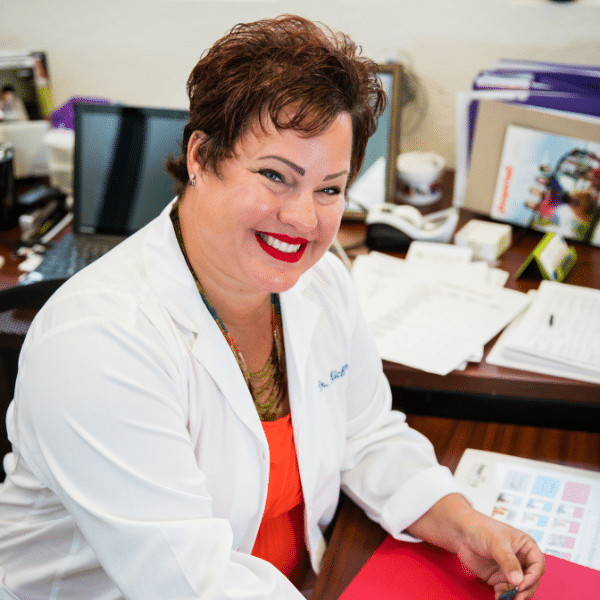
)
(446, 523)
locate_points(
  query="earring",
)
(192, 180)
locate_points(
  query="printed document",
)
(430, 318)
(559, 334)
(558, 506)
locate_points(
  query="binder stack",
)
(551, 113)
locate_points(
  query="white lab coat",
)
(140, 467)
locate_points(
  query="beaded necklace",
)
(268, 386)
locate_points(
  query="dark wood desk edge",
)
(494, 380)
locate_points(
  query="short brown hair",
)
(258, 71)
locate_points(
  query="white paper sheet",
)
(431, 319)
(558, 506)
(559, 334)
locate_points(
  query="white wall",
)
(141, 51)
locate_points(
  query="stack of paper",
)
(435, 310)
(559, 334)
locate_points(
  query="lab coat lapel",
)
(213, 351)
(300, 316)
(172, 281)
(168, 273)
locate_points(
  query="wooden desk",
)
(355, 537)
(488, 392)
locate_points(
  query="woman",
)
(189, 406)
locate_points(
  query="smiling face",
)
(271, 212)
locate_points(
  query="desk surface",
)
(483, 380)
(355, 537)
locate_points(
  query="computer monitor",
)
(119, 180)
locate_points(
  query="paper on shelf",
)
(464, 132)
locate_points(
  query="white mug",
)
(419, 177)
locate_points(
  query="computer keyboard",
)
(70, 255)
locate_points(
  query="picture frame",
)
(26, 73)
(385, 143)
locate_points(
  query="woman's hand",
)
(499, 554)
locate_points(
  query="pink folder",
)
(419, 571)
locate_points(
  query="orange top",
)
(280, 538)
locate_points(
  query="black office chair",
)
(30, 297)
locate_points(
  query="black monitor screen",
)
(120, 183)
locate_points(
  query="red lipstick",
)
(264, 240)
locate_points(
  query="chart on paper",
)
(558, 506)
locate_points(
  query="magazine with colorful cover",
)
(550, 183)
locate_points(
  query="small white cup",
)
(419, 177)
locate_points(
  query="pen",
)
(511, 593)
(550, 322)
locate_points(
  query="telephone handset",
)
(409, 213)
(392, 227)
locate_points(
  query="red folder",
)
(419, 571)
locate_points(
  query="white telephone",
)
(392, 227)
